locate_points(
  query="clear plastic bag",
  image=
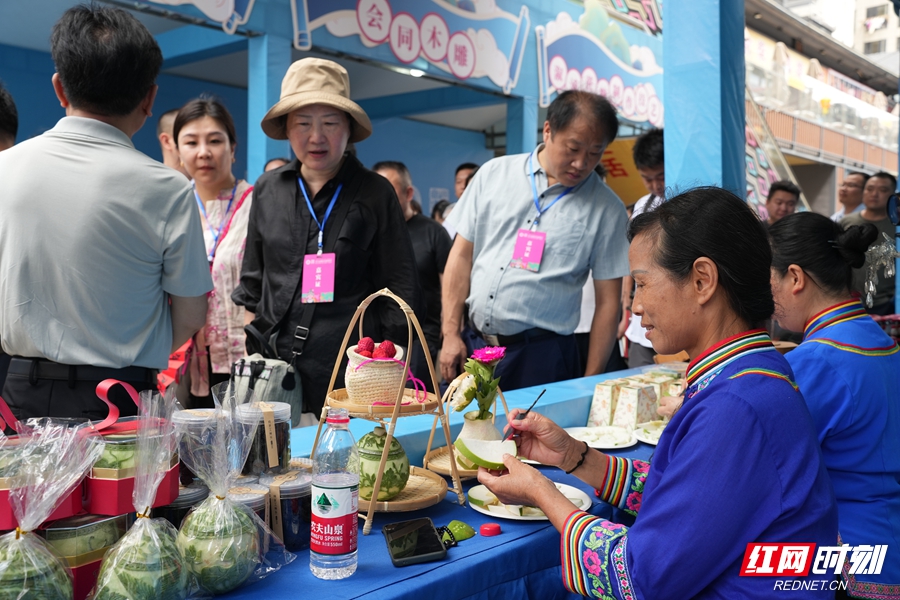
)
(50, 460)
(224, 544)
(146, 564)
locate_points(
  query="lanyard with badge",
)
(530, 243)
(318, 269)
(216, 233)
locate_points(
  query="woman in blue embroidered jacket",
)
(738, 463)
(849, 372)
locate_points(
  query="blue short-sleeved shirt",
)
(586, 234)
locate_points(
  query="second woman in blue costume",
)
(738, 463)
(848, 370)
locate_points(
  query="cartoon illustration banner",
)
(467, 39)
(230, 13)
(603, 54)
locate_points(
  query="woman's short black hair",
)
(204, 107)
(106, 59)
(712, 222)
(822, 248)
(438, 209)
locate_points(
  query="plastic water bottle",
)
(335, 500)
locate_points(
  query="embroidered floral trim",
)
(626, 588)
(586, 544)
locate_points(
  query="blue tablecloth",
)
(522, 562)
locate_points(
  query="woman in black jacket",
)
(322, 217)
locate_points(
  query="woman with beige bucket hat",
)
(324, 233)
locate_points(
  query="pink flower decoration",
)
(610, 526)
(592, 562)
(489, 355)
(641, 466)
(634, 501)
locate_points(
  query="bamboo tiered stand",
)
(424, 487)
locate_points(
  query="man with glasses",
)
(850, 195)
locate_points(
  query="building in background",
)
(877, 32)
(831, 108)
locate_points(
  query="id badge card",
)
(318, 278)
(529, 250)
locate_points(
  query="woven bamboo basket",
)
(424, 488)
(370, 381)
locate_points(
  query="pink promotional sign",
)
(318, 278)
(529, 250)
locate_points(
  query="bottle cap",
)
(250, 414)
(489, 529)
(337, 415)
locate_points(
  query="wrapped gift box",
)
(603, 406)
(109, 491)
(674, 388)
(81, 542)
(645, 383)
(70, 506)
(636, 404)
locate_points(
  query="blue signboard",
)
(230, 13)
(597, 54)
(462, 38)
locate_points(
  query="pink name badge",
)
(529, 250)
(318, 278)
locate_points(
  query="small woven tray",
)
(438, 460)
(339, 399)
(423, 489)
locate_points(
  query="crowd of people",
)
(111, 261)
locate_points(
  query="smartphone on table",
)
(414, 541)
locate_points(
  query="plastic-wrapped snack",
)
(146, 564)
(51, 460)
(224, 544)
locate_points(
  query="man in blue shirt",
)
(531, 228)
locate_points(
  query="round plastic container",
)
(258, 458)
(192, 423)
(295, 504)
(188, 497)
(246, 480)
(253, 496)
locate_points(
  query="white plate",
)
(590, 434)
(652, 437)
(567, 490)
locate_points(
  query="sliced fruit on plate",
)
(497, 508)
(532, 511)
(486, 453)
(482, 496)
(576, 501)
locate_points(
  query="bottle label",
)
(334, 527)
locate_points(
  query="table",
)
(522, 562)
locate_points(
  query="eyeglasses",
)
(846, 184)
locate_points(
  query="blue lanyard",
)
(537, 203)
(327, 210)
(215, 233)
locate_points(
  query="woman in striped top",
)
(849, 372)
(738, 463)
